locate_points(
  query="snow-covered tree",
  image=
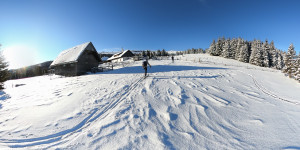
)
(219, 47)
(291, 51)
(253, 53)
(244, 53)
(3, 70)
(297, 67)
(275, 57)
(212, 49)
(266, 54)
(256, 57)
(288, 61)
(226, 49)
(233, 45)
(259, 57)
(280, 63)
(289, 68)
(238, 48)
(273, 54)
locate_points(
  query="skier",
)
(145, 63)
(173, 59)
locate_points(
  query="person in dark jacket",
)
(145, 64)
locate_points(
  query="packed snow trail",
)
(94, 115)
(181, 105)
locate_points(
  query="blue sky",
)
(34, 31)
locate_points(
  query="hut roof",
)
(71, 55)
(121, 54)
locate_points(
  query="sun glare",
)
(20, 56)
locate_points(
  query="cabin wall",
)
(86, 62)
(121, 59)
(66, 69)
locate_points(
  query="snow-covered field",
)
(212, 104)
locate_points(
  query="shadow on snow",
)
(159, 68)
(183, 77)
(3, 96)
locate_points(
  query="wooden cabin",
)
(76, 60)
(122, 56)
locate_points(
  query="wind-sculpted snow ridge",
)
(181, 105)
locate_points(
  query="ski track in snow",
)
(181, 105)
(263, 89)
(94, 115)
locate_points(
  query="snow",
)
(118, 55)
(70, 55)
(216, 103)
(172, 52)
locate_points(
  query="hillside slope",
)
(181, 105)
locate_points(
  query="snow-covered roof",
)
(172, 52)
(118, 55)
(70, 55)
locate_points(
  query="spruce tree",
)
(266, 54)
(275, 59)
(273, 54)
(212, 49)
(233, 45)
(238, 48)
(3, 70)
(280, 63)
(244, 53)
(226, 49)
(297, 67)
(256, 53)
(219, 46)
(291, 51)
(253, 52)
(259, 55)
(288, 61)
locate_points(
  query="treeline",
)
(258, 53)
(191, 51)
(151, 54)
(30, 71)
